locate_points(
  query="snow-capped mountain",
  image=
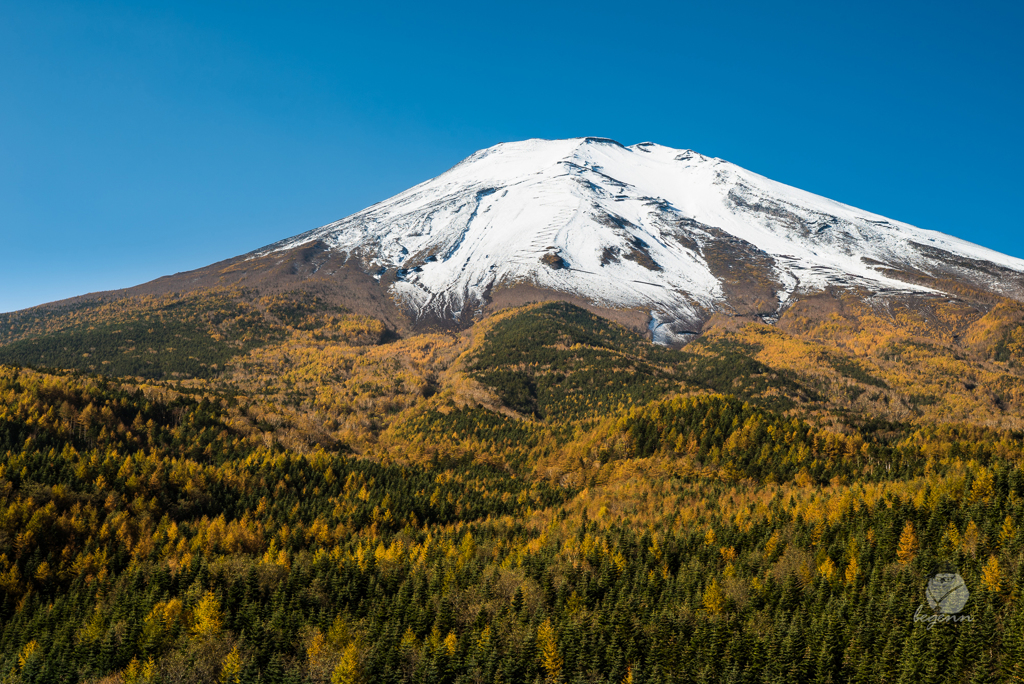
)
(666, 231)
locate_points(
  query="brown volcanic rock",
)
(309, 268)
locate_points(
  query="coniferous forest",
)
(233, 487)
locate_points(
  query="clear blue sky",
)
(141, 139)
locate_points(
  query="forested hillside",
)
(543, 497)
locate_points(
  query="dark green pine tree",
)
(913, 653)
(445, 619)
(293, 675)
(508, 668)
(792, 654)
(940, 645)
(33, 669)
(705, 675)
(595, 647)
(711, 650)
(132, 639)
(829, 656)
(273, 673)
(389, 644)
(755, 653)
(891, 656)
(965, 652)
(987, 638)
(791, 594)
(518, 601)
(733, 673)
(615, 659)
(251, 674)
(864, 673)
(107, 658)
(771, 670)
(1013, 660)
(737, 650)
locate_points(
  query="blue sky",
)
(141, 139)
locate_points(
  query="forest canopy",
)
(543, 497)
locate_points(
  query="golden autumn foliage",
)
(908, 545)
(347, 499)
(347, 670)
(551, 658)
(231, 668)
(206, 617)
(992, 575)
(713, 598)
(852, 571)
(1008, 532)
(827, 569)
(27, 653)
(139, 672)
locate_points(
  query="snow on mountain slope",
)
(669, 231)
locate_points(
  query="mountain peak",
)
(644, 227)
(602, 141)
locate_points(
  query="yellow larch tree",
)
(907, 549)
(231, 668)
(827, 569)
(992, 576)
(770, 546)
(206, 618)
(714, 599)
(852, 570)
(551, 659)
(951, 537)
(1007, 533)
(347, 670)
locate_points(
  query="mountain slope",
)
(270, 474)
